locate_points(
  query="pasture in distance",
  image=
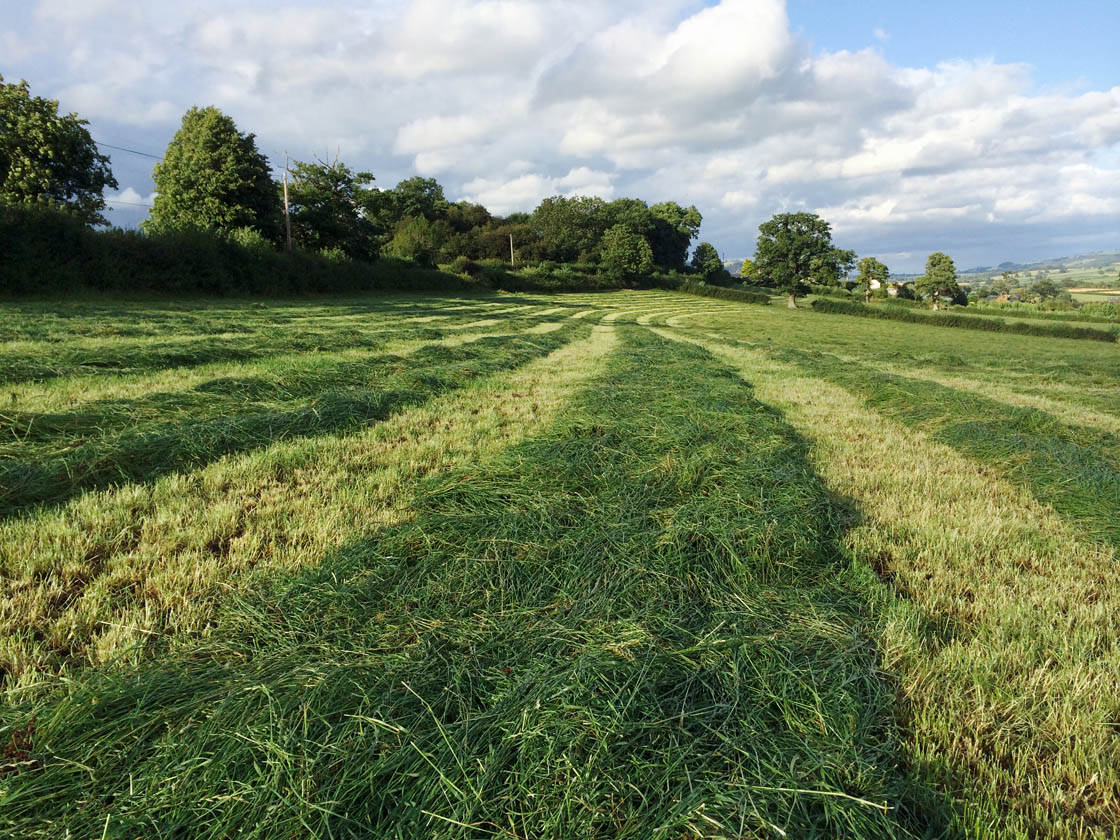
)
(637, 564)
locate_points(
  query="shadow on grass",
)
(640, 624)
(190, 351)
(1074, 469)
(343, 396)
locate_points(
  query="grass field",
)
(639, 564)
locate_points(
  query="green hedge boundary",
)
(698, 287)
(968, 322)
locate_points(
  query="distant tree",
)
(1044, 289)
(1002, 284)
(872, 274)
(213, 178)
(939, 281)
(49, 159)
(626, 255)
(326, 202)
(706, 263)
(748, 272)
(793, 248)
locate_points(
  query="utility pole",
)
(511, 261)
(287, 213)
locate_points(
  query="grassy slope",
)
(569, 598)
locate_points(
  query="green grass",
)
(637, 564)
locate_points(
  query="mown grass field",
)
(639, 564)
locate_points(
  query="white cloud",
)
(508, 101)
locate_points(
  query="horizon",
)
(1001, 145)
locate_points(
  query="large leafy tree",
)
(213, 178)
(626, 255)
(795, 249)
(326, 202)
(940, 279)
(674, 228)
(49, 159)
(569, 229)
(872, 275)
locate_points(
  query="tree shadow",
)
(1072, 468)
(332, 397)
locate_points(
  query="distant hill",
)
(1098, 268)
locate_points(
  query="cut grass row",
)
(1002, 630)
(637, 623)
(31, 361)
(240, 414)
(116, 572)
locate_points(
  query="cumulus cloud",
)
(508, 101)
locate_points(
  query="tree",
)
(674, 227)
(326, 208)
(872, 275)
(1044, 289)
(415, 239)
(748, 272)
(706, 262)
(569, 229)
(795, 248)
(213, 178)
(1002, 284)
(626, 255)
(48, 159)
(940, 279)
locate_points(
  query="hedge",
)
(698, 287)
(46, 252)
(951, 319)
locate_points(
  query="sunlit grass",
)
(766, 572)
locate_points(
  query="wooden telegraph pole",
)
(287, 213)
(511, 260)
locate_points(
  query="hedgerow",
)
(952, 319)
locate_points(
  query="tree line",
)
(213, 178)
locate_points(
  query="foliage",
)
(213, 178)
(706, 263)
(871, 272)
(1044, 289)
(748, 272)
(52, 253)
(794, 249)
(952, 319)
(940, 279)
(326, 201)
(671, 232)
(49, 159)
(626, 256)
(698, 287)
(568, 229)
(415, 239)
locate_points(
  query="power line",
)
(131, 151)
(113, 201)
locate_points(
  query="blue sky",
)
(990, 131)
(1067, 43)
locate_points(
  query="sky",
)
(990, 131)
